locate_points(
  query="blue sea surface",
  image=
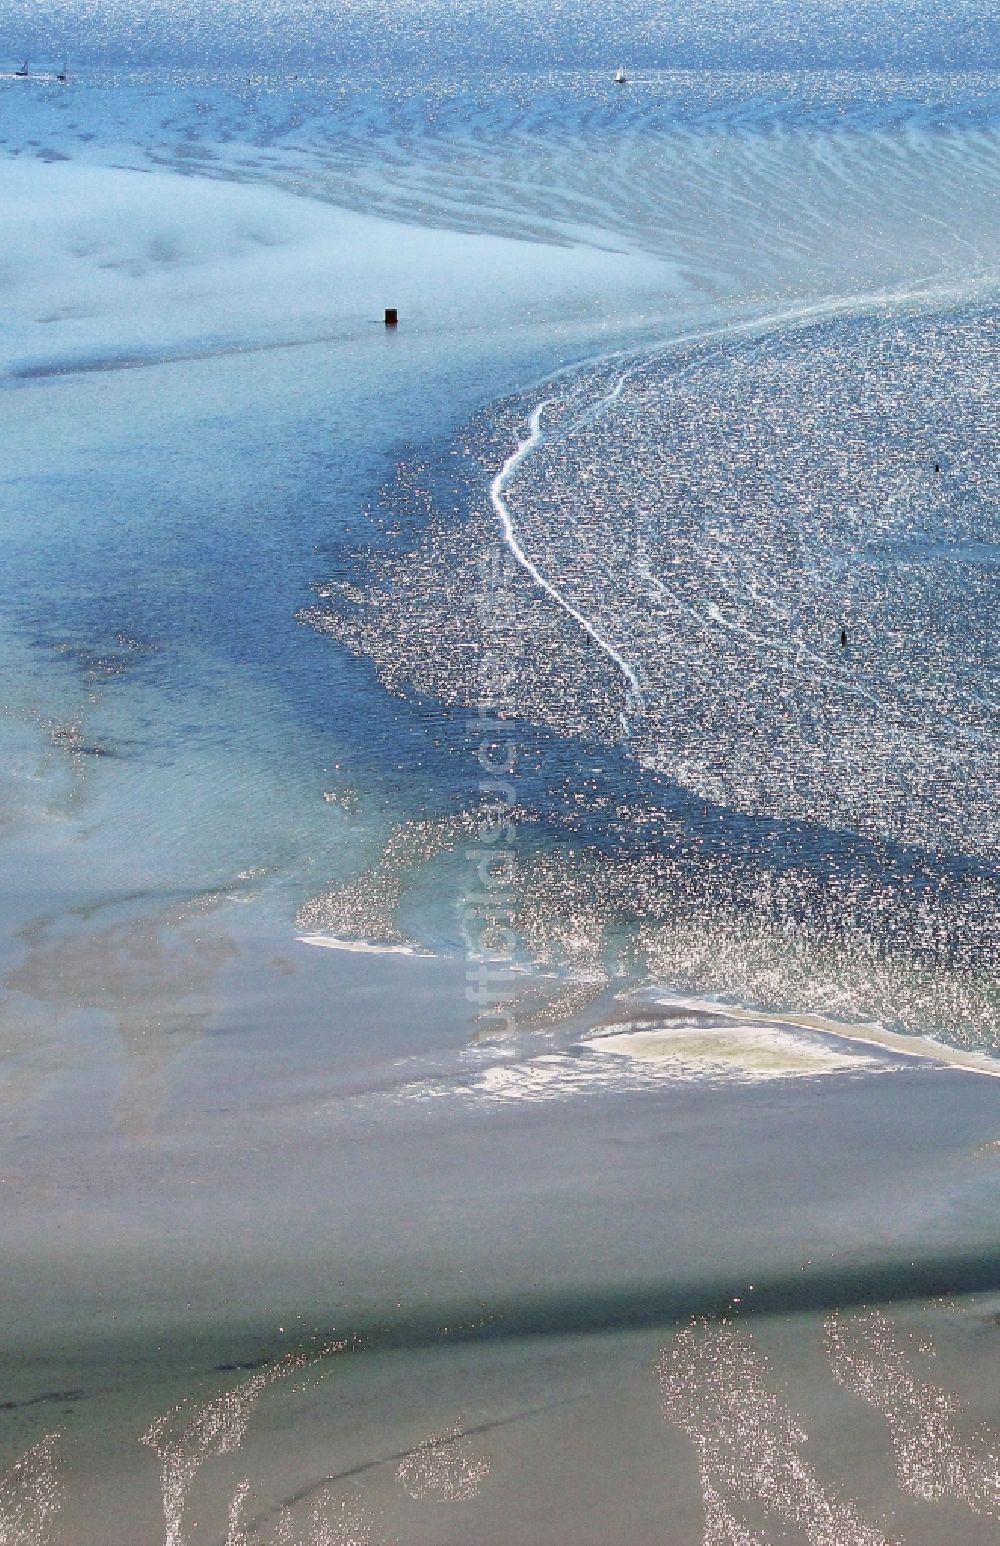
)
(499, 824)
(720, 508)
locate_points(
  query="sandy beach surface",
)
(435, 1277)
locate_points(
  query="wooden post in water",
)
(391, 316)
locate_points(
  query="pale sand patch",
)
(869, 1034)
(633, 1060)
(745, 1049)
(108, 268)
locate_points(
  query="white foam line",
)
(497, 487)
(800, 652)
(360, 946)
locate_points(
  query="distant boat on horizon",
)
(61, 75)
(621, 79)
(23, 71)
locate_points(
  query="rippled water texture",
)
(648, 564)
(765, 570)
(749, 184)
(602, 665)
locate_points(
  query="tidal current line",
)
(801, 315)
(499, 483)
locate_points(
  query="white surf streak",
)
(499, 484)
(360, 946)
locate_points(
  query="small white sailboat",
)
(621, 79)
(62, 76)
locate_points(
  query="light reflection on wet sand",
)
(774, 1445)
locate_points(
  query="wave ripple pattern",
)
(765, 571)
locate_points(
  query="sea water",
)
(605, 663)
(872, 487)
